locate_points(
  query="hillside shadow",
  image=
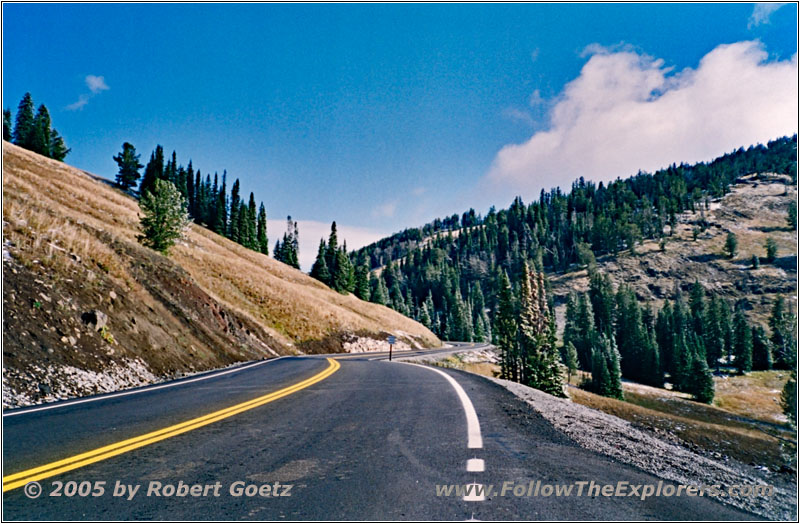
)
(705, 258)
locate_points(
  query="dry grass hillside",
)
(70, 250)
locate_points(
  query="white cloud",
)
(96, 83)
(82, 101)
(761, 14)
(519, 115)
(312, 231)
(627, 111)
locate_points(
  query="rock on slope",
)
(70, 251)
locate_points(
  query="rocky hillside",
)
(755, 209)
(87, 309)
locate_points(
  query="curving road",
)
(357, 438)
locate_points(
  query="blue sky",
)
(386, 116)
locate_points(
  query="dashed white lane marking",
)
(143, 390)
(474, 440)
(475, 465)
(475, 493)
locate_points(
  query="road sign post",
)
(392, 340)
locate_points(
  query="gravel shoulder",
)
(648, 451)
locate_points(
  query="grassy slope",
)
(75, 236)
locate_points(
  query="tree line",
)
(682, 343)
(206, 202)
(450, 279)
(34, 132)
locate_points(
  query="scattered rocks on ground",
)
(617, 438)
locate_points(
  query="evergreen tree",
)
(536, 341)
(7, 125)
(319, 269)
(191, 191)
(731, 244)
(601, 294)
(742, 343)
(362, 290)
(153, 171)
(233, 231)
(221, 210)
(58, 149)
(263, 241)
(24, 125)
(772, 249)
(505, 330)
(165, 216)
(665, 337)
(40, 139)
(379, 294)
(252, 218)
(241, 220)
(762, 349)
(341, 281)
(333, 247)
(781, 323)
(129, 166)
(700, 381)
(570, 358)
(791, 217)
(423, 317)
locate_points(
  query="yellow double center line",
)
(84, 459)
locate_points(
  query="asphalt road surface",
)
(356, 437)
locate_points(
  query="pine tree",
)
(378, 294)
(731, 244)
(129, 166)
(252, 217)
(221, 210)
(40, 139)
(742, 343)
(191, 192)
(319, 269)
(165, 216)
(505, 330)
(781, 323)
(58, 149)
(762, 349)
(424, 317)
(24, 125)
(700, 381)
(241, 223)
(333, 247)
(153, 171)
(570, 359)
(536, 341)
(233, 231)
(601, 294)
(263, 241)
(7, 125)
(772, 249)
(791, 217)
(362, 282)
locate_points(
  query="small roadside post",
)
(391, 340)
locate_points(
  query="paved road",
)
(370, 440)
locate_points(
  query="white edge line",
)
(474, 440)
(145, 389)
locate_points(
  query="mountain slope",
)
(70, 255)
